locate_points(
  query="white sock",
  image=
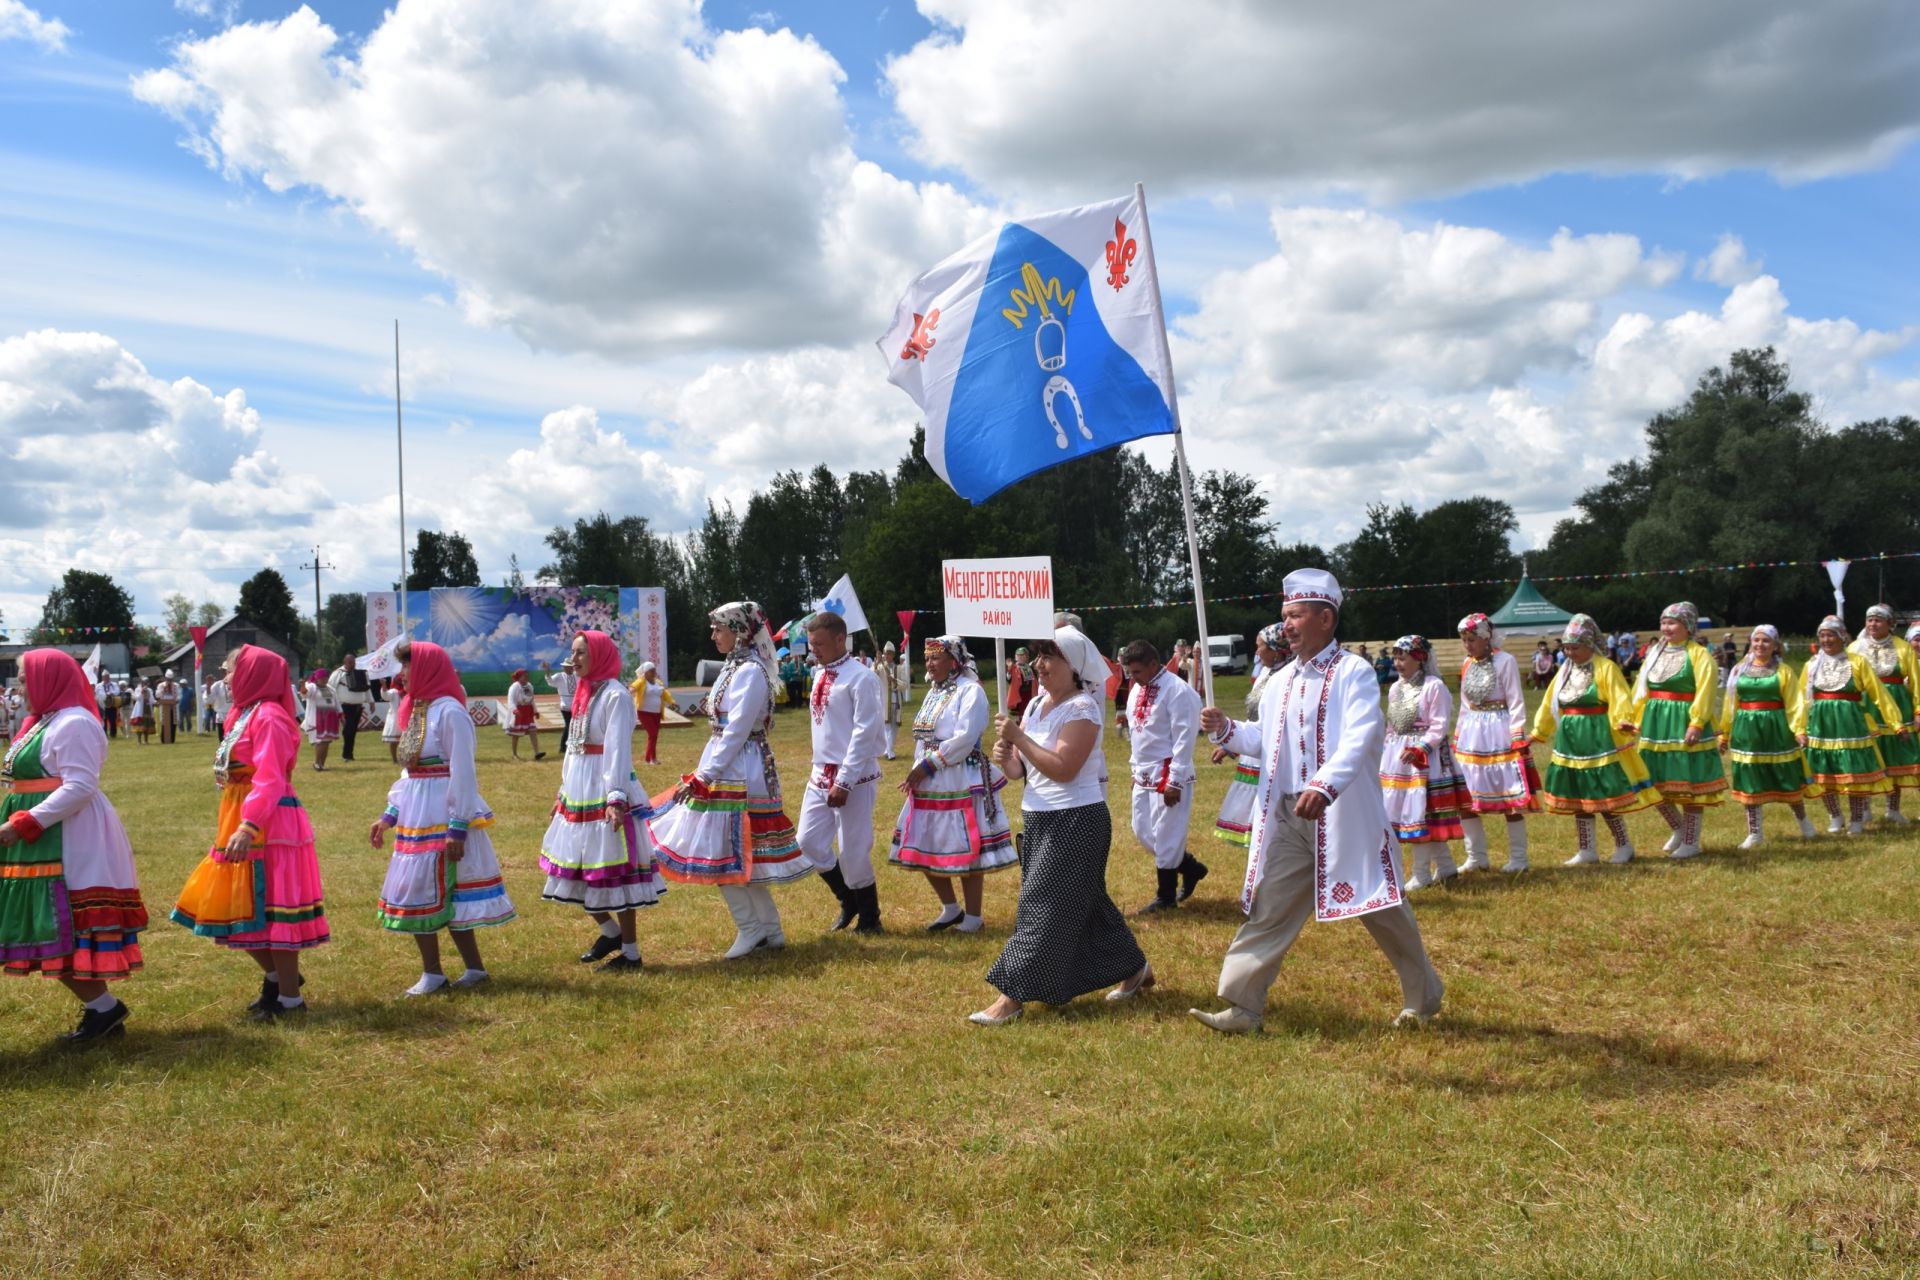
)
(471, 978)
(106, 1001)
(631, 950)
(294, 1002)
(428, 984)
(609, 928)
(970, 924)
(949, 911)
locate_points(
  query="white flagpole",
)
(1180, 460)
(400, 457)
(1000, 665)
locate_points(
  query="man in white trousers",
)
(1320, 843)
(848, 709)
(1162, 719)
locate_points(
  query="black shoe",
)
(539, 755)
(602, 947)
(866, 902)
(1192, 872)
(98, 1026)
(939, 925)
(1167, 898)
(269, 995)
(620, 964)
(276, 1011)
(1158, 904)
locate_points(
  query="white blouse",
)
(1043, 722)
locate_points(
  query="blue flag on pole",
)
(1037, 344)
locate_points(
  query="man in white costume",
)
(848, 707)
(1162, 719)
(1320, 840)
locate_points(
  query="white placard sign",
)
(1007, 598)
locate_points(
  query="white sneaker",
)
(1806, 830)
(1754, 841)
(1584, 858)
(1622, 855)
(1685, 851)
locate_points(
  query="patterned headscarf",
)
(1478, 624)
(954, 647)
(747, 620)
(1274, 636)
(1747, 661)
(1581, 629)
(1833, 624)
(1417, 646)
(1880, 611)
(1687, 614)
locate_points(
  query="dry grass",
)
(1663, 1070)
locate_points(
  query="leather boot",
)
(867, 905)
(832, 878)
(1192, 872)
(1168, 896)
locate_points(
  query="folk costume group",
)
(1327, 786)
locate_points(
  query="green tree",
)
(87, 599)
(207, 613)
(516, 580)
(442, 560)
(178, 616)
(345, 616)
(267, 601)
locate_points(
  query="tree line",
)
(1742, 471)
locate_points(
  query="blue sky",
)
(1369, 296)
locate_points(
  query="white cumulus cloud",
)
(1397, 98)
(18, 22)
(614, 178)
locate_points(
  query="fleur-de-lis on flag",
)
(1120, 255)
(922, 339)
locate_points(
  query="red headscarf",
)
(259, 675)
(519, 675)
(54, 682)
(318, 678)
(603, 663)
(431, 676)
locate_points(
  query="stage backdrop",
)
(491, 630)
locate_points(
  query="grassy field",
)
(1694, 1069)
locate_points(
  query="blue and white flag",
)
(1037, 344)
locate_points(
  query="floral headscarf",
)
(1416, 646)
(1685, 612)
(954, 647)
(747, 620)
(1581, 629)
(1478, 624)
(1274, 636)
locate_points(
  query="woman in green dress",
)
(1842, 756)
(1595, 768)
(1673, 716)
(1761, 719)
(1893, 663)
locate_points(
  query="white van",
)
(1229, 654)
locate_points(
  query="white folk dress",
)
(1491, 737)
(594, 865)
(733, 827)
(954, 823)
(1235, 819)
(435, 795)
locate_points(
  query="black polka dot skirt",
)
(1068, 937)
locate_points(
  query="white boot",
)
(1622, 855)
(1687, 851)
(1835, 825)
(1673, 842)
(1476, 842)
(1443, 868)
(767, 913)
(1898, 818)
(1753, 840)
(1856, 828)
(1806, 828)
(1418, 880)
(1516, 848)
(748, 933)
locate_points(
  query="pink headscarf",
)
(431, 675)
(603, 663)
(259, 675)
(54, 683)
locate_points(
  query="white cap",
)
(1311, 584)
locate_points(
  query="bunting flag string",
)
(1514, 578)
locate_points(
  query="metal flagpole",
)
(1179, 458)
(400, 454)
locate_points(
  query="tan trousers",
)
(1284, 902)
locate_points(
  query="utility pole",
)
(319, 620)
